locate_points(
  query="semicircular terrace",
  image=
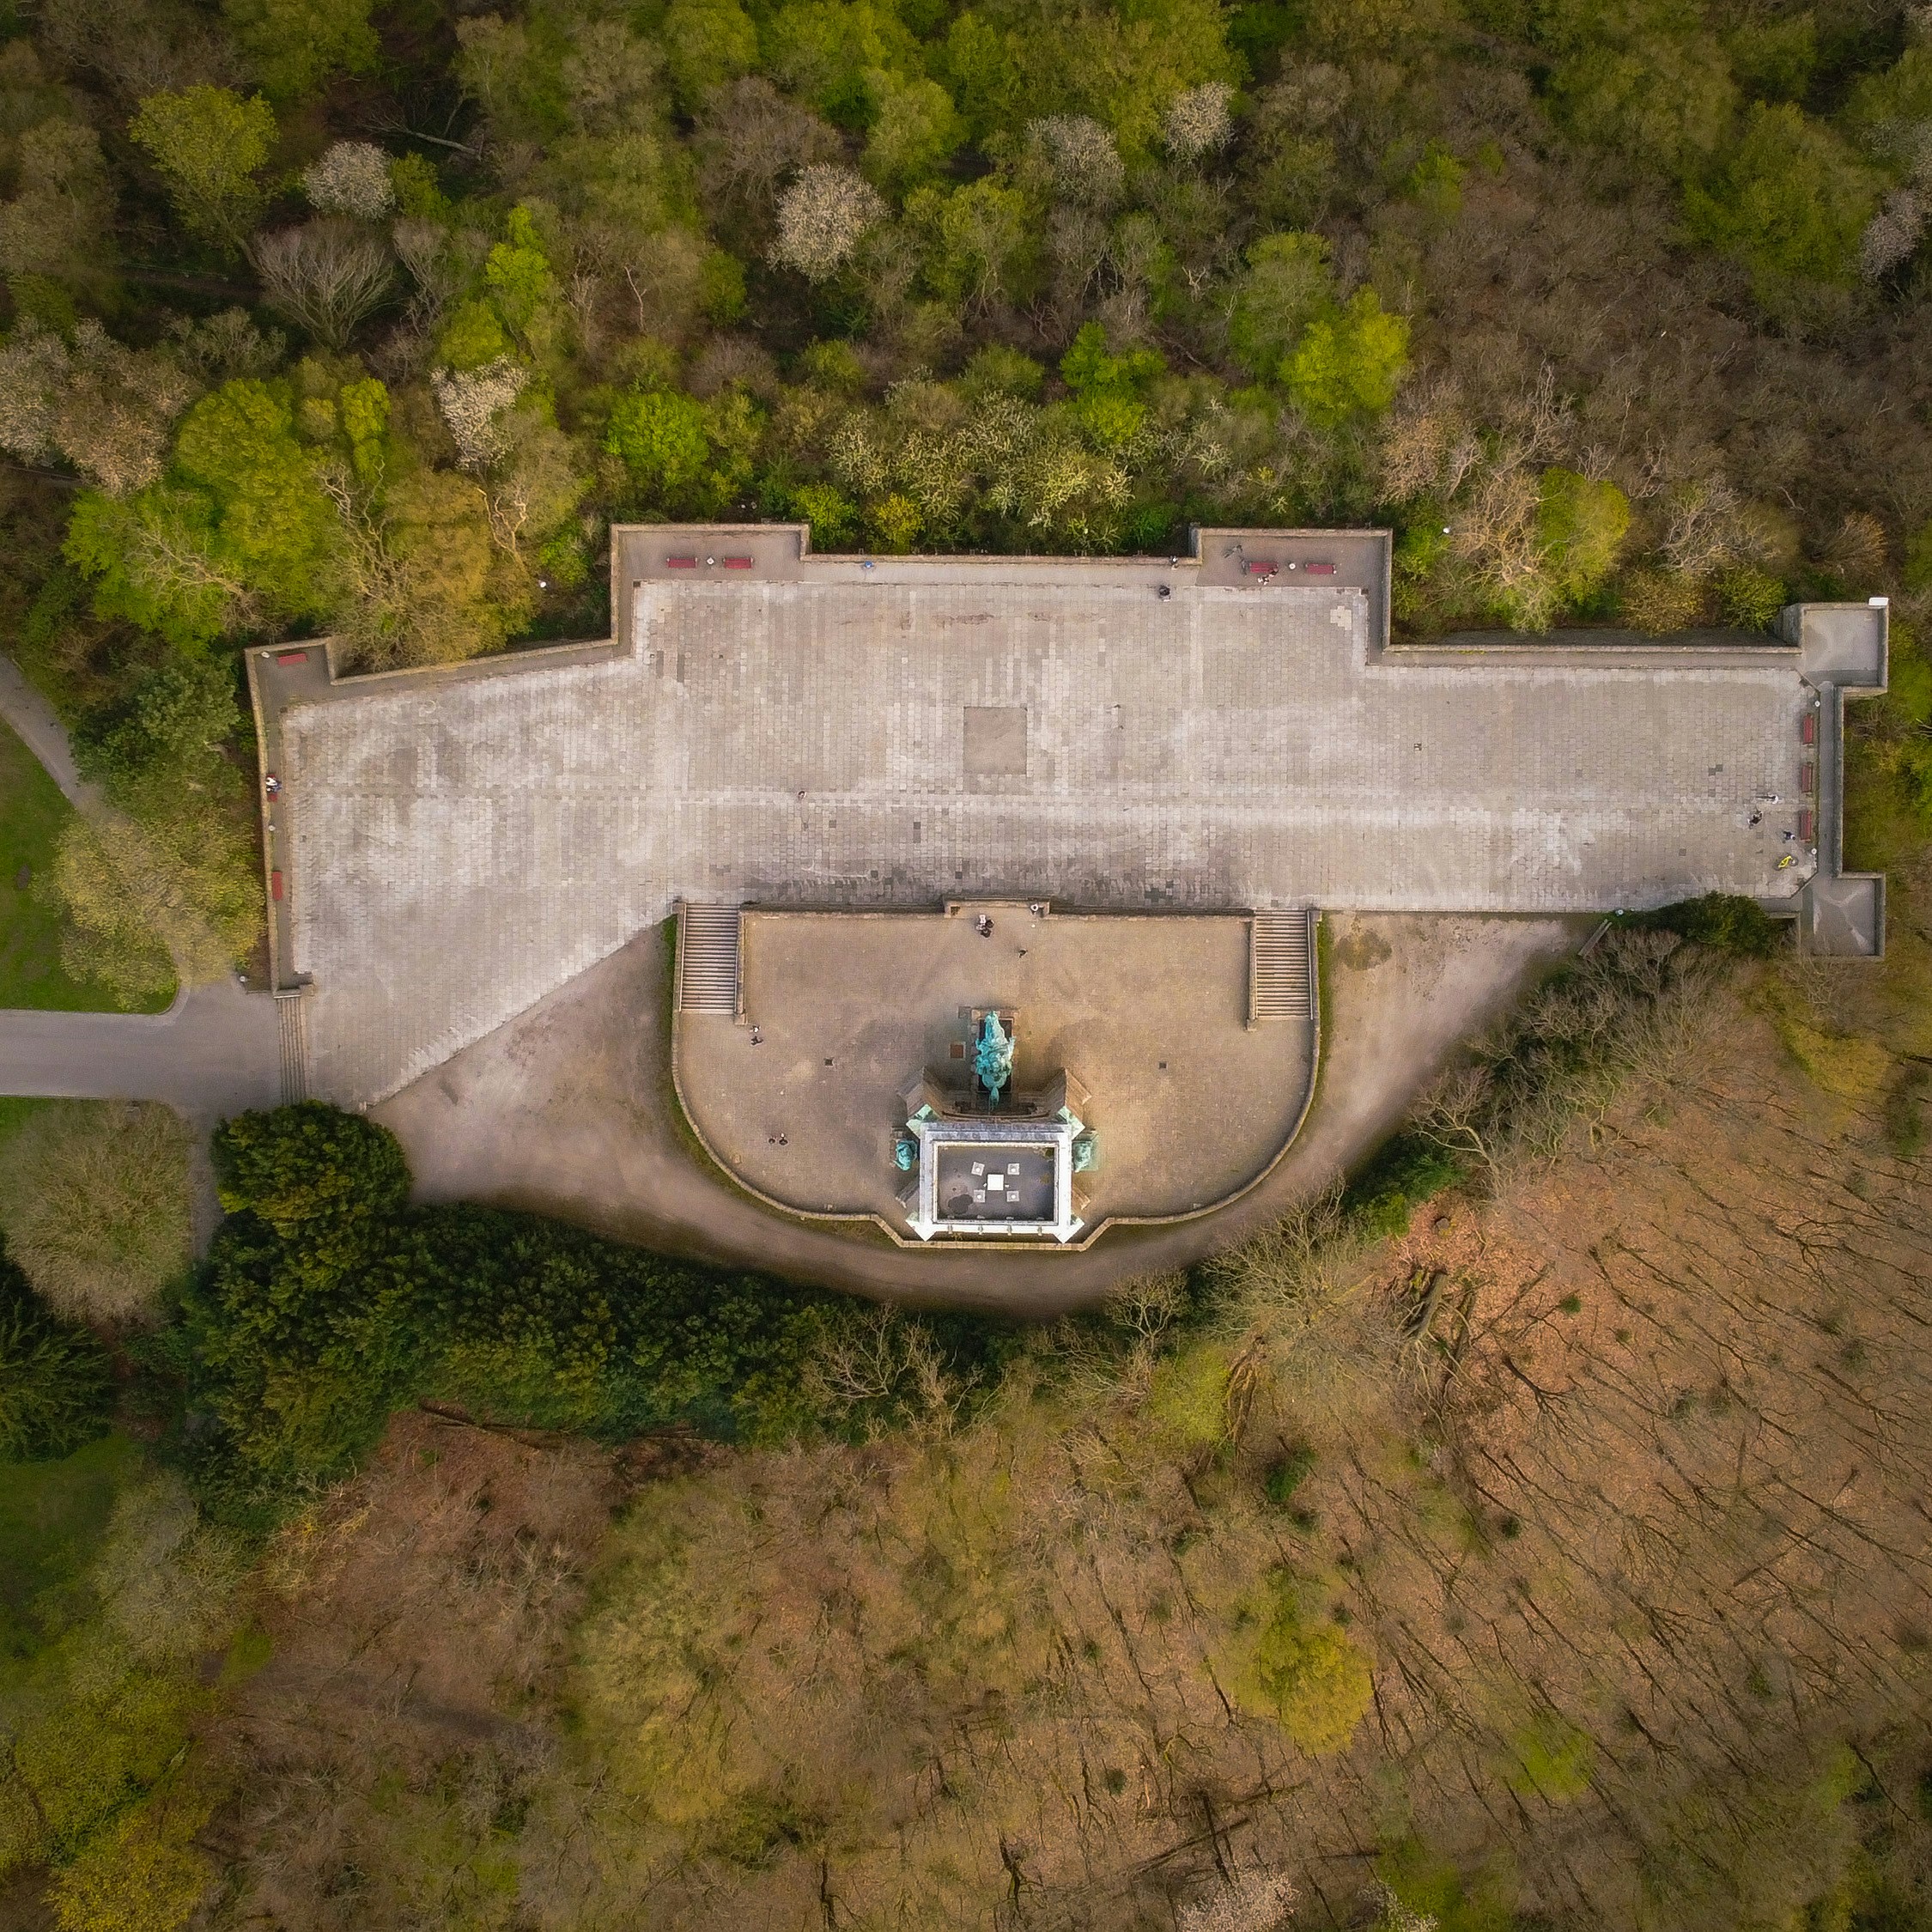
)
(796, 1087)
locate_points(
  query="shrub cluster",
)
(328, 1301)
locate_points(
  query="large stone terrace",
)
(890, 733)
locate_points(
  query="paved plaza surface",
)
(817, 732)
(1190, 1103)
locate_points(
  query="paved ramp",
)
(215, 1052)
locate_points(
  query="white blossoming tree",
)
(351, 178)
(821, 217)
(1197, 122)
(473, 402)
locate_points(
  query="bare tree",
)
(750, 137)
(326, 276)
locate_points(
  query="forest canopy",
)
(371, 319)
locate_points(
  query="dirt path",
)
(567, 1110)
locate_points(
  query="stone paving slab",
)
(464, 847)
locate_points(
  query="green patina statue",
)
(993, 1060)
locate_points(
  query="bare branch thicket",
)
(95, 1199)
(1429, 445)
(1077, 247)
(1633, 1010)
(327, 276)
(218, 346)
(1148, 1305)
(880, 1360)
(1496, 533)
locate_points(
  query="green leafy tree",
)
(519, 275)
(840, 55)
(915, 132)
(1285, 285)
(473, 337)
(707, 44)
(171, 720)
(208, 144)
(1749, 598)
(1774, 57)
(300, 1167)
(1581, 527)
(1892, 100)
(1664, 103)
(980, 240)
(661, 435)
(983, 70)
(239, 529)
(832, 518)
(1107, 387)
(327, 1300)
(57, 1382)
(1349, 362)
(1297, 1667)
(60, 222)
(296, 45)
(1791, 203)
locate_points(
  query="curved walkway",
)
(568, 1110)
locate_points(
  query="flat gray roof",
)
(833, 733)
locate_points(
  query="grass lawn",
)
(51, 1518)
(32, 815)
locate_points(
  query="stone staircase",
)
(1281, 966)
(292, 1021)
(708, 959)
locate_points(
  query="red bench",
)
(1317, 569)
(1808, 776)
(737, 563)
(291, 657)
(680, 563)
(1804, 827)
(1808, 728)
(1258, 567)
(275, 886)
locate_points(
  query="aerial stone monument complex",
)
(1001, 876)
